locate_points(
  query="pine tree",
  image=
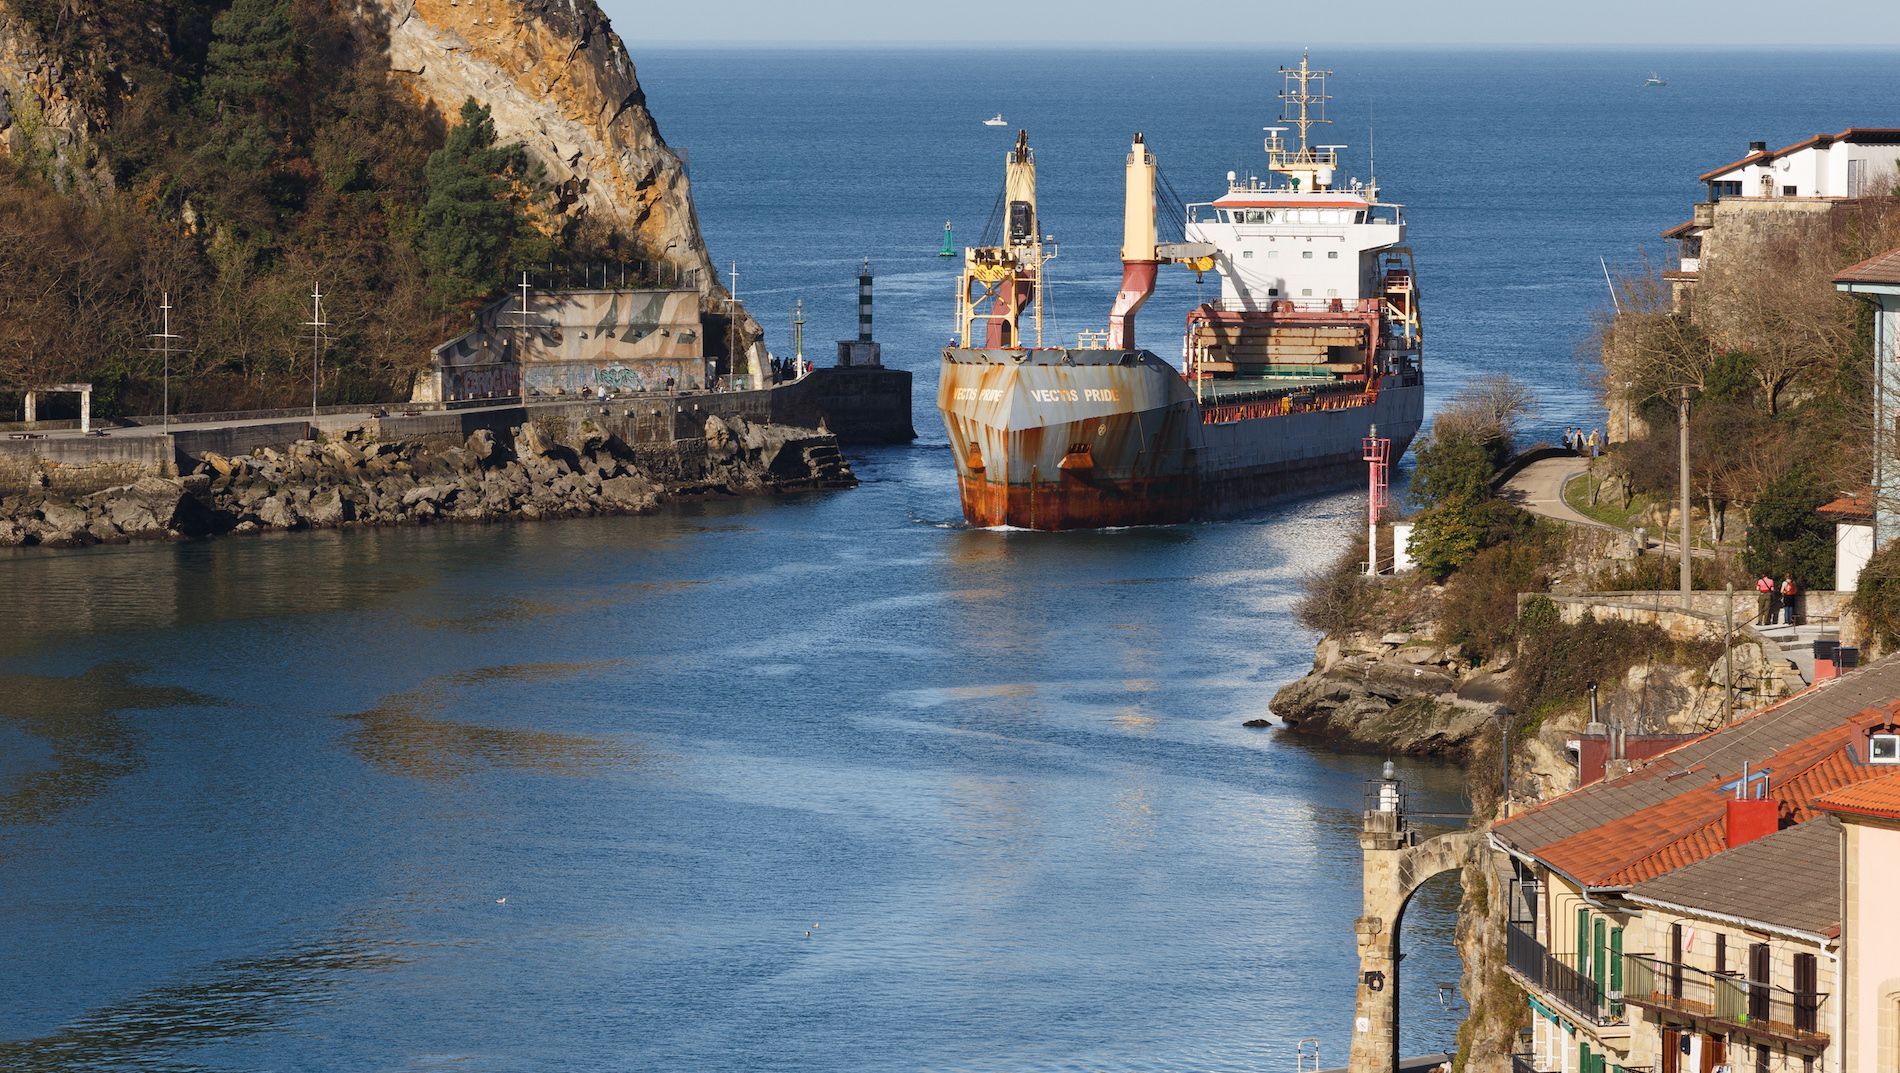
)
(252, 57)
(468, 222)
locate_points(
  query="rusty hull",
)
(1078, 439)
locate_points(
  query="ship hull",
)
(1079, 439)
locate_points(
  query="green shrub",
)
(1787, 536)
(1478, 611)
(1451, 534)
(1557, 661)
(1338, 598)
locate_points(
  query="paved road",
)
(1539, 488)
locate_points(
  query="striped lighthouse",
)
(861, 352)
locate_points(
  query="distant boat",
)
(996, 120)
(1654, 79)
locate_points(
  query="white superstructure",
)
(1308, 239)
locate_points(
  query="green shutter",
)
(1583, 942)
(1616, 974)
(1585, 1063)
(1597, 959)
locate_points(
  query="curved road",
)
(1539, 488)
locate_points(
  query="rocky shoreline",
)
(358, 478)
(1394, 692)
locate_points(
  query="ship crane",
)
(1001, 282)
(1142, 254)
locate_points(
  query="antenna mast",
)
(316, 324)
(521, 344)
(164, 336)
(1298, 95)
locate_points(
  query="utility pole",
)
(521, 343)
(1728, 655)
(164, 336)
(316, 324)
(1682, 480)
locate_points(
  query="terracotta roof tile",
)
(1873, 797)
(1670, 813)
(1880, 268)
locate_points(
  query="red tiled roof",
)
(1878, 135)
(1680, 229)
(1872, 797)
(1858, 507)
(1880, 268)
(1671, 812)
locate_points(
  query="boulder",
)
(276, 512)
(62, 517)
(329, 508)
(626, 493)
(721, 444)
(480, 445)
(529, 441)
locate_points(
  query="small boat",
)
(1654, 79)
(996, 120)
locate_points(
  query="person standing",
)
(1788, 592)
(1593, 444)
(1765, 600)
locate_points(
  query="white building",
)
(1877, 282)
(1857, 162)
(1781, 188)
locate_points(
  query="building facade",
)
(1869, 815)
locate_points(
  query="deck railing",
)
(1552, 975)
(1753, 1007)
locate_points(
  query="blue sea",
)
(826, 783)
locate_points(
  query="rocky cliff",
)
(554, 74)
(559, 81)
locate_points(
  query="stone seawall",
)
(76, 466)
(421, 470)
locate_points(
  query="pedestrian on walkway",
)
(1765, 600)
(1788, 592)
(1593, 443)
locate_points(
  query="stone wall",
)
(78, 465)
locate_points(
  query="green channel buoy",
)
(947, 250)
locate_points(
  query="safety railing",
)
(1553, 976)
(1754, 1007)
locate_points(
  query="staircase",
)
(827, 466)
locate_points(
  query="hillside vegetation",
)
(253, 149)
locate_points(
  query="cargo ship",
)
(1311, 354)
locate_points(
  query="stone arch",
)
(1395, 868)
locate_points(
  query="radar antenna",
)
(1299, 99)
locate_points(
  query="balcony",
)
(1756, 1009)
(1529, 1063)
(1551, 976)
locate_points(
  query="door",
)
(1714, 1053)
(1671, 1050)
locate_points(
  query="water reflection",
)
(89, 744)
(225, 1000)
(406, 734)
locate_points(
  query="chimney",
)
(1750, 817)
(1758, 147)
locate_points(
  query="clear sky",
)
(1242, 23)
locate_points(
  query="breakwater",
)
(561, 462)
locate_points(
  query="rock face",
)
(357, 480)
(1395, 692)
(558, 80)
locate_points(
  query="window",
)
(1762, 1057)
(1332, 255)
(1807, 1003)
(1271, 254)
(1675, 961)
(1246, 255)
(1306, 292)
(1758, 982)
(1883, 748)
(1787, 191)
(1616, 972)
(1308, 254)
(1721, 189)
(1721, 952)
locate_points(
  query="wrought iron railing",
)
(1528, 1063)
(1754, 1007)
(1552, 975)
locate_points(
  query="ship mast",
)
(1308, 167)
